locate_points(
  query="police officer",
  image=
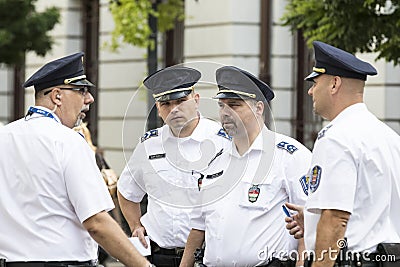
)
(53, 200)
(242, 220)
(163, 165)
(354, 184)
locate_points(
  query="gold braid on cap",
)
(237, 92)
(319, 70)
(173, 91)
(70, 80)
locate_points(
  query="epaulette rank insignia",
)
(148, 135)
(222, 133)
(323, 131)
(288, 147)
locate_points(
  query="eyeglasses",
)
(82, 90)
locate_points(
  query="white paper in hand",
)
(139, 246)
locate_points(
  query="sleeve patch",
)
(222, 133)
(315, 178)
(286, 146)
(148, 135)
(304, 183)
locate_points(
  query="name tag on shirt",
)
(157, 156)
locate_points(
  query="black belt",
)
(156, 249)
(50, 263)
(275, 262)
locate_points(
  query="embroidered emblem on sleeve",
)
(288, 147)
(148, 135)
(253, 193)
(222, 133)
(315, 178)
(304, 183)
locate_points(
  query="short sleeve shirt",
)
(355, 168)
(50, 185)
(163, 166)
(242, 212)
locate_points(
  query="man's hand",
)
(132, 213)
(140, 233)
(107, 233)
(295, 223)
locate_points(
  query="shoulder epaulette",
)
(323, 131)
(149, 134)
(222, 133)
(286, 146)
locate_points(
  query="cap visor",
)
(311, 76)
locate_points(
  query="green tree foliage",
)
(22, 29)
(353, 25)
(131, 20)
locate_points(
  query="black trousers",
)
(160, 260)
(51, 264)
(162, 257)
(279, 263)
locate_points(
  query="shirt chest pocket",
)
(160, 167)
(158, 176)
(258, 196)
(162, 171)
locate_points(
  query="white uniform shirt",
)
(358, 167)
(50, 185)
(161, 166)
(245, 226)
